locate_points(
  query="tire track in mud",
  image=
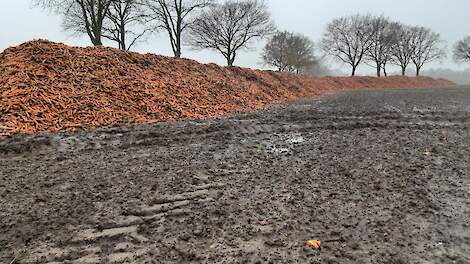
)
(121, 241)
(122, 139)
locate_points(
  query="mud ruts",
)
(383, 175)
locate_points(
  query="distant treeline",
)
(231, 26)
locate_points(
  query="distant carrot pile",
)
(46, 86)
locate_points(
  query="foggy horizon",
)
(301, 16)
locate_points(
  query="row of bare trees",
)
(126, 21)
(226, 27)
(361, 39)
(378, 41)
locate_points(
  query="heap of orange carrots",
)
(46, 86)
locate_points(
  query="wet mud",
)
(377, 176)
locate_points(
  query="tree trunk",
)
(418, 71)
(97, 42)
(384, 67)
(379, 69)
(230, 59)
(353, 71)
(178, 36)
(403, 71)
(123, 35)
(97, 37)
(178, 51)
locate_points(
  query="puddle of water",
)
(296, 140)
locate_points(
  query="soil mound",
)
(48, 86)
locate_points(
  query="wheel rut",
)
(121, 241)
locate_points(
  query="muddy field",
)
(378, 176)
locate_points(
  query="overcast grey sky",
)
(20, 22)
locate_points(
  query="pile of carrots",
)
(46, 86)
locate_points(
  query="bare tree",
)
(288, 51)
(126, 23)
(380, 50)
(275, 52)
(462, 50)
(426, 47)
(403, 48)
(174, 16)
(348, 39)
(300, 53)
(231, 26)
(81, 16)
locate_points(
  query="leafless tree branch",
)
(81, 16)
(348, 39)
(402, 48)
(380, 51)
(462, 50)
(127, 23)
(174, 16)
(231, 26)
(427, 47)
(289, 52)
